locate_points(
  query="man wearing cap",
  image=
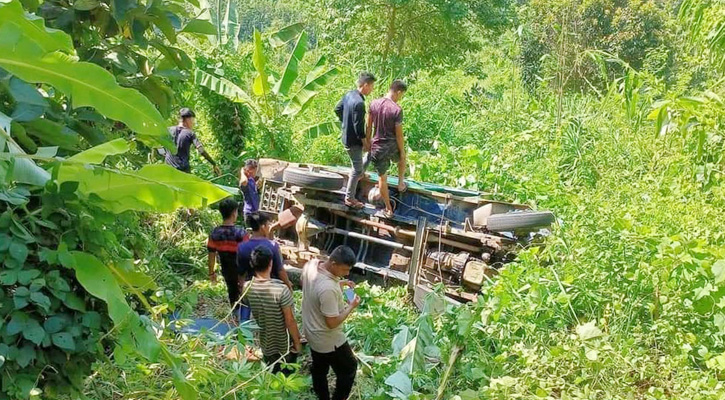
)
(183, 136)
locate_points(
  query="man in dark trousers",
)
(183, 136)
(272, 305)
(223, 242)
(323, 314)
(351, 112)
(260, 225)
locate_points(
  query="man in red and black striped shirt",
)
(223, 241)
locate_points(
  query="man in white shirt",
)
(323, 312)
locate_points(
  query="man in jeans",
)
(351, 112)
(323, 312)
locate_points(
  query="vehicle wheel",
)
(324, 180)
(517, 221)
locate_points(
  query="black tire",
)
(518, 221)
(324, 180)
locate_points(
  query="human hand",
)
(402, 187)
(347, 283)
(355, 302)
(366, 145)
(243, 177)
(297, 347)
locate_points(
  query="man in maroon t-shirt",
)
(388, 143)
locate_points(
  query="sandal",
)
(353, 203)
(384, 214)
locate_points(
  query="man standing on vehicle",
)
(183, 136)
(388, 143)
(323, 312)
(351, 112)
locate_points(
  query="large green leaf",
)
(98, 280)
(22, 170)
(302, 98)
(53, 133)
(158, 187)
(317, 70)
(230, 26)
(261, 84)
(414, 353)
(87, 84)
(291, 72)
(222, 87)
(174, 55)
(33, 27)
(286, 34)
(201, 26)
(97, 154)
(95, 277)
(324, 128)
(30, 104)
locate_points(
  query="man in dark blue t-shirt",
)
(351, 112)
(183, 136)
(259, 223)
(248, 187)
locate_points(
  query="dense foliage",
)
(609, 113)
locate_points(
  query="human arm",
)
(243, 179)
(211, 262)
(200, 148)
(339, 108)
(329, 308)
(278, 265)
(401, 151)
(292, 328)
(358, 121)
(242, 267)
(334, 322)
(368, 132)
(401, 144)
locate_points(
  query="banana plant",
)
(270, 99)
(64, 91)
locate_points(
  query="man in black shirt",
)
(351, 112)
(183, 136)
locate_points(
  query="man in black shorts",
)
(388, 144)
(183, 136)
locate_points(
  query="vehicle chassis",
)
(416, 247)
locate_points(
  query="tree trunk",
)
(390, 35)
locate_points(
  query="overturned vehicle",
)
(459, 238)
